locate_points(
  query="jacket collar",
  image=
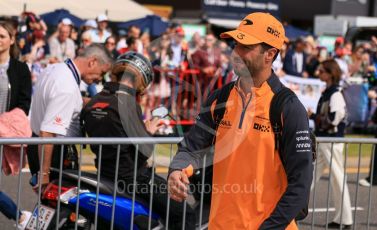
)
(272, 82)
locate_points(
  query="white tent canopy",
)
(117, 10)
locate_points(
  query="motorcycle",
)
(86, 199)
(79, 205)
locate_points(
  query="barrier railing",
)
(106, 199)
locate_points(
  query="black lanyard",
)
(72, 67)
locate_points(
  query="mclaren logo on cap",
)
(240, 36)
(248, 22)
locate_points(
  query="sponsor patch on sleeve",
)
(303, 142)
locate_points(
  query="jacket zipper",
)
(244, 107)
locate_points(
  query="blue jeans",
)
(8, 207)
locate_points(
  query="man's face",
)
(300, 47)
(178, 38)
(86, 41)
(64, 32)
(102, 25)
(94, 70)
(134, 32)
(247, 59)
(110, 44)
(210, 41)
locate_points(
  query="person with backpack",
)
(115, 112)
(330, 122)
(262, 171)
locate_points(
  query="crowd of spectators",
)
(40, 46)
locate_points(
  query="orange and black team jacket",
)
(252, 187)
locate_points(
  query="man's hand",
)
(209, 70)
(178, 185)
(46, 164)
(45, 179)
(85, 100)
(310, 112)
(372, 94)
(153, 125)
(305, 74)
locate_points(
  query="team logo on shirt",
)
(100, 105)
(262, 128)
(225, 123)
(58, 120)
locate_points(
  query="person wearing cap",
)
(57, 103)
(253, 186)
(62, 46)
(101, 33)
(340, 57)
(33, 22)
(89, 25)
(178, 47)
(115, 112)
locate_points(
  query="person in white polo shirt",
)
(61, 45)
(101, 33)
(57, 102)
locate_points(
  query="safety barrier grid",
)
(349, 160)
(362, 198)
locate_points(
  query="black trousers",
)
(70, 160)
(374, 172)
(160, 197)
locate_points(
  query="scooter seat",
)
(89, 181)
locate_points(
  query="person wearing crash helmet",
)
(115, 112)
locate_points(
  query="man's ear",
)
(270, 54)
(92, 62)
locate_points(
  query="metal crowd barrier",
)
(319, 207)
(354, 186)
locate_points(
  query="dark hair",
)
(131, 27)
(331, 67)
(110, 37)
(356, 48)
(13, 51)
(266, 47)
(130, 41)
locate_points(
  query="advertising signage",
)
(236, 9)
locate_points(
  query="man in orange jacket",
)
(254, 187)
